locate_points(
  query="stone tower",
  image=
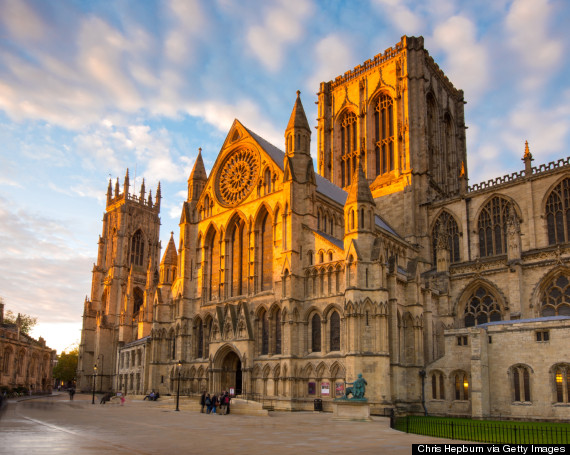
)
(403, 119)
(120, 308)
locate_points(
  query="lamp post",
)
(94, 376)
(178, 388)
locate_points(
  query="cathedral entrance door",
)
(231, 373)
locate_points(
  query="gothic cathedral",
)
(287, 283)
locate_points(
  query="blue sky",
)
(88, 89)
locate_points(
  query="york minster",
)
(289, 276)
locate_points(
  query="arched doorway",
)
(231, 373)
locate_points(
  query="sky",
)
(91, 88)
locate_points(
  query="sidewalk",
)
(57, 425)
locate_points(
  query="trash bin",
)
(318, 404)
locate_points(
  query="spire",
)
(198, 171)
(359, 190)
(150, 198)
(298, 118)
(170, 256)
(117, 187)
(126, 184)
(197, 179)
(158, 196)
(528, 159)
(142, 191)
(109, 192)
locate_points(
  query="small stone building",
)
(24, 362)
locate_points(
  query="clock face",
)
(237, 176)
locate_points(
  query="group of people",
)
(211, 403)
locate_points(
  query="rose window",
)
(237, 176)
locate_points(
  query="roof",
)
(525, 321)
(170, 256)
(359, 190)
(382, 224)
(298, 118)
(324, 186)
(330, 238)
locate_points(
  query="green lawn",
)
(493, 431)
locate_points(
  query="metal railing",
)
(484, 431)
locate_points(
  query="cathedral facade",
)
(286, 283)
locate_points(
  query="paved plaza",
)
(55, 425)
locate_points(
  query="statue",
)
(357, 390)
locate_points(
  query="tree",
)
(27, 322)
(66, 367)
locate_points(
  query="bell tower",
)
(120, 308)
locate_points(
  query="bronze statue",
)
(358, 388)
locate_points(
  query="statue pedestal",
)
(355, 410)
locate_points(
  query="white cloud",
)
(466, 59)
(332, 56)
(527, 26)
(21, 21)
(400, 16)
(283, 24)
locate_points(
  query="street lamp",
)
(178, 388)
(94, 376)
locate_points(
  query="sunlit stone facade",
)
(285, 282)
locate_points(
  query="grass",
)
(492, 431)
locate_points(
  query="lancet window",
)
(481, 308)
(265, 259)
(556, 297)
(349, 141)
(238, 260)
(137, 249)
(384, 134)
(277, 322)
(492, 227)
(558, 213)
(447, 225)
(316, 333)
(335, 331)
(264, 333)
(521, 383)
(562, 383)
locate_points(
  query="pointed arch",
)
(492, 224)
(557, 212)
(554, 293)
(446, 224)
(479, 303)
(264, 249)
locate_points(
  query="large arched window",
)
(446, 223)
(556, 297)
(277, 322)
(384, 134)
(348, 147)
(137, 249)
(492, 227)
(199, 339)
(558, 213)
(316, 333)
(264, 333)
(449, 153)
(335, 331)
(213, 266)
(436, 166)
(138, 299)
(238, 260)
(481, 308)
(266, 253)
(521, 383)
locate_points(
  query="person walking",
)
(208, 404)
(202, 402)
(227, 399)
(214, 403)
(71, 393)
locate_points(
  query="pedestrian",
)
(202, 402)
(208, 404)
(227, 399)
(222, 403)
(123, 399)
(214, 403)
(71, 393)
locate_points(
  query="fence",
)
(481, 431)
